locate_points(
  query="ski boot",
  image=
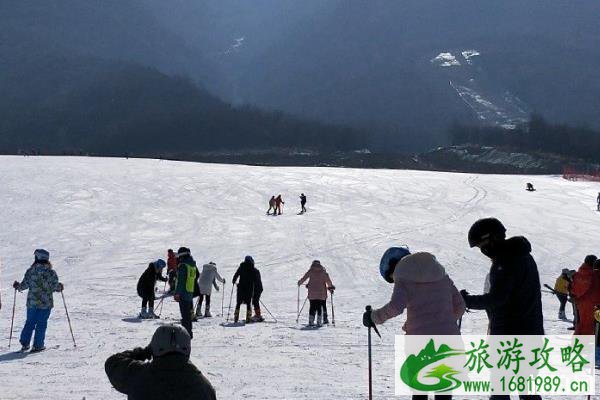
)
(236, 315)
(24, 348)
(319, 321)
(37, 349)
(151, 314)
(311, 320)
(257, 315)
(143, 313)
(248, 315)
(207, 314)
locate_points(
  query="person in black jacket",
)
(145, 287)
(514, 300)
(245, 289)
(169, 375)
(257, 291)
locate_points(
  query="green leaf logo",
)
(412, 367)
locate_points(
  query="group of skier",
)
(275, 204)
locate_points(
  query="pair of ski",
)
(36, 351)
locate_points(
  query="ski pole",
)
(332, 311)
(263, 304)
(459, 322)
(298, 304)
(300, 312)
(368, 309)
(223, 301)
(68, 319)
(12, 320)
(230, 298)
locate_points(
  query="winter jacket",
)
(187, 275)
(562, 285)
(258, 287)
(514, 302)
(207, 278)
(586, 293)
(279, 201)
(303, 200)
(147, 281)
(171, 262)
(247, 275)
(42, 281)
(171, 377)
(422, 287)
(318, 281)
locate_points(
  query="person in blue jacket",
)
(41, 281)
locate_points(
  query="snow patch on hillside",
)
(446, 60)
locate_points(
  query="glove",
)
(217, 288)
(177, 297)
(16, 284)
(331, 288)
(464, 294)
(61, 287)
(367, 321)
(142, 354)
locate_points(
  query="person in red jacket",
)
(585, 290)
(171, 269)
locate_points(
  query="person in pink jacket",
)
(319, 283)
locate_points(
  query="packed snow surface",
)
(103, 220)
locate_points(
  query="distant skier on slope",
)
(530, 187)
(585, 290)
(245, 288)
(319, 283)
(42, 281)
(302, 203)
(598, 202)
(278, 202)
(208, 279)
(184, 290)
(169, 374)
(171, 269)
(271, 206)
(145, 287)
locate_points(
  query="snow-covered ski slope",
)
(103, 220)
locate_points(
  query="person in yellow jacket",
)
(561, 288)
(187, 273)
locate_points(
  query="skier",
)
(530, 187)
(168, 375)
(271, 206)
(42, 281)
(256, 293)
(598, 202)
(319, 283)
(171, 269)
(145, 287)
(585, 290)
(302, 203)
(278, 202)
(208, 279)
(184, 289)
(245, 289)
(422, 287)
(561, 289)
(514, 302)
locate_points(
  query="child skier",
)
(319, 283)
(245, 289)
(145, 287)
(42, 281)
(561, 289)
(171, 269)
(208, 279)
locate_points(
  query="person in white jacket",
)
(208, 279)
